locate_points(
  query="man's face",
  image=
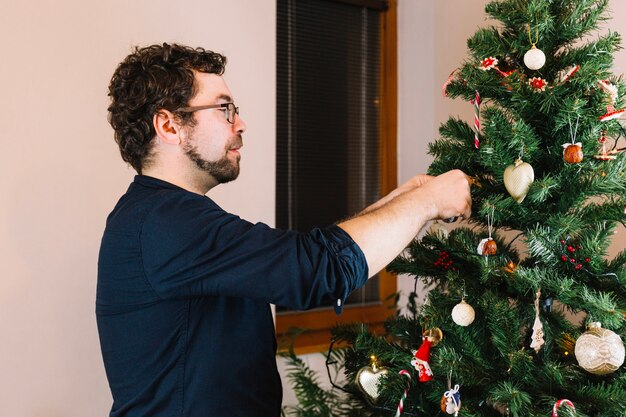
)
(213, 143)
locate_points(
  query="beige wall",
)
(61, 173)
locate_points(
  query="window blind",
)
(328, 84)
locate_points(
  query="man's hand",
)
(384, 229)
(411, 184)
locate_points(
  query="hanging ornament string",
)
(488, 246)
(476, 102)
(490, 221)
(557, 405)
(406, 392)
(534, 44)
(572, 133)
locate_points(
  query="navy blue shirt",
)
(182, 301)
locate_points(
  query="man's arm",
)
(386, 227)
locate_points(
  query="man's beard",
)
(223, 170)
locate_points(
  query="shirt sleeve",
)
(191, 247)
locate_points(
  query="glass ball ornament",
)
(599, 351)
(534, 59)
(463, 314)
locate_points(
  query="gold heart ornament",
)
(518, 178)
(368, 380)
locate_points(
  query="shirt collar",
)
(152, 182)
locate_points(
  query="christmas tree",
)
(527, 312)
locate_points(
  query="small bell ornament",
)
(599, 351)
(368, 379)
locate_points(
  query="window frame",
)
(319, 322)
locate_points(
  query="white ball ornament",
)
(534, 59)
(463, 314)
(599, 351)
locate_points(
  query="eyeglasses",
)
(230, 110)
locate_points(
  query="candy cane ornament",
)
(477, 103)
(406, 392)
(558, 404)
(449, 81)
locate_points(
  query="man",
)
(184, 287)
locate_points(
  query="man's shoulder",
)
(138, 203)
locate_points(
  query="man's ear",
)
(167, 128)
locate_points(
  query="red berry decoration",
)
(568, 249)
(444, 261)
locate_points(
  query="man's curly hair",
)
(151, 79)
